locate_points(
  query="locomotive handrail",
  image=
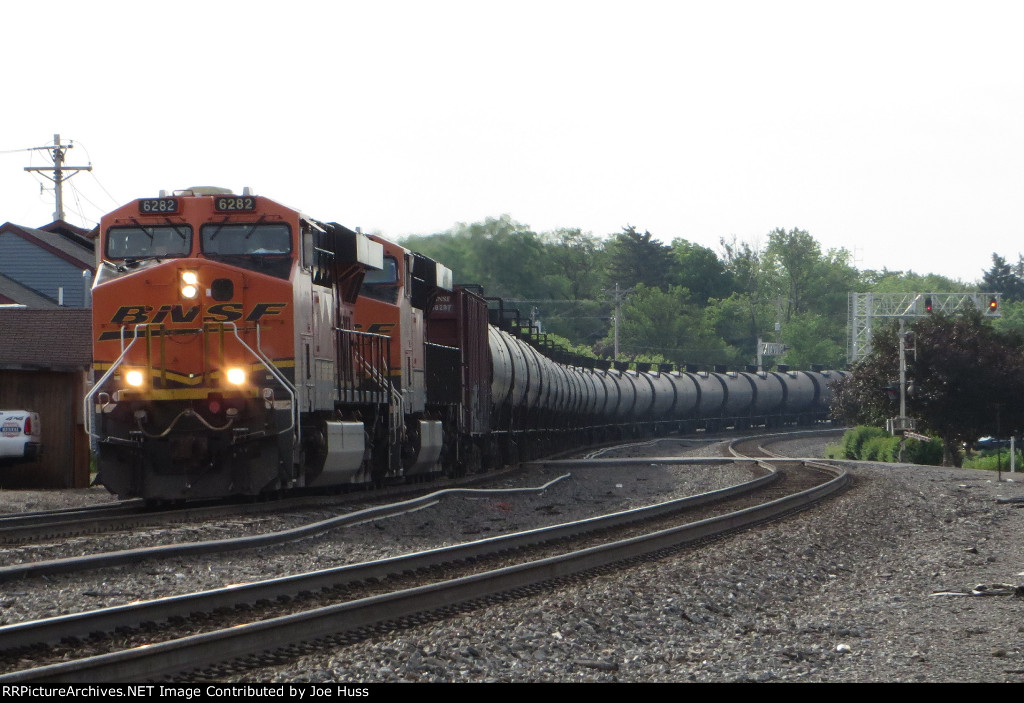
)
(266, 359)
(87, 402)
(276, 373)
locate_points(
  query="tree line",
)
(679, 302)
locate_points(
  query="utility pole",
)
(619, 296)
(61, 172)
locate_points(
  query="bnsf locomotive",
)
(241, 347)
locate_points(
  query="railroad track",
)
(335, 605)
(22, 528)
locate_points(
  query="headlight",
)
(236, 376)
(134, 378)
(189, 284)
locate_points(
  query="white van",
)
(20, 435)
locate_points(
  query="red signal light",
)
(993, 305)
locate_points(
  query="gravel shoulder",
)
(838, 593)
(842, 592)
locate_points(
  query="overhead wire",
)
(88, 156)
(79, 196)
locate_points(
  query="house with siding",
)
(48, 267)
(46, 345)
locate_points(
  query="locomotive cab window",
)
(383, 284)
(258, 246)
(246, 239)
(146, 242)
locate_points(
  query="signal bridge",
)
(865, 308)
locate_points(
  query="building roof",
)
(68, 246)
(81, 235)
(58, 339)
(13, 292)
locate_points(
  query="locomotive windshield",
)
(381, 285)
(388, 274)
(149, 241)
(245, 239)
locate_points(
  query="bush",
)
(929, 453)
(989, 461)
(875, 444)
(854, 440)
(882, 448)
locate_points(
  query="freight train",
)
(242, 348)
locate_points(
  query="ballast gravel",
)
(873, 585)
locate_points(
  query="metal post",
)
(903, 386)
(903, 368)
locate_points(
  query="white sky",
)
(893, 129)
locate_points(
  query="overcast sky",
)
(893, 129)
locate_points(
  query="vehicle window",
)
(149, 241)
(246, 239)
(382, 285)
(388, 274)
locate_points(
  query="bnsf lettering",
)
(222, 312)
(131, 314)
(177, 313)
(261, 309)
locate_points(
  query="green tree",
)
(507, 257)
(737, 321)
(699, 270)
(967, 381)
(636, 258)
(886, 281)
(1005, 279)
(746, 270)
(811, 339)
(579, 258)
(657, 324)
(793, 259)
